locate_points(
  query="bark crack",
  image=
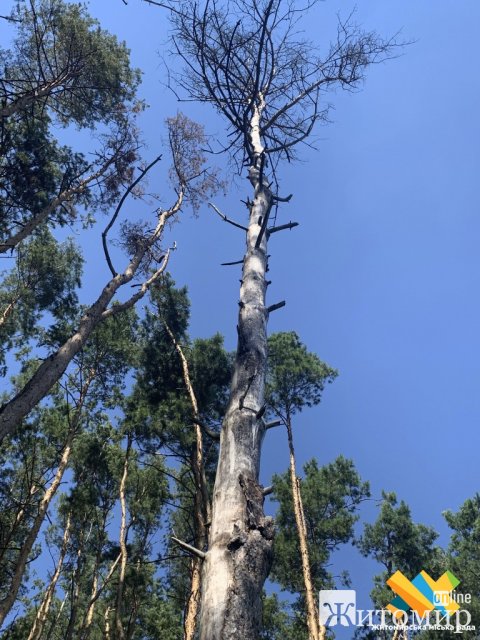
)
(255, 517)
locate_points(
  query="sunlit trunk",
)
(241, 537)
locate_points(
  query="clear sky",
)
(382, 277)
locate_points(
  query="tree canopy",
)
(131, 447)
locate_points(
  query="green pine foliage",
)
(122, 403)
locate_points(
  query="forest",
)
(134, 501)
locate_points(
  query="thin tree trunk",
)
(75, 593)
(106, 633)
(52, 369)
(43, 610)
(312, 612)
(18, 519)
(201, 503)
(7, 312)
(123, 545)
(7, 603)
(240, 549)
(95, 594)
(88, 618)
(55, 622)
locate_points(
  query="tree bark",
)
(312, 612)
(240, 548)
(42, 613)
(123, 545)
(7, 312)
(52, 369)
(7, 603)
(201, 502)
(54, 623)
(106, 631)
(96, 592)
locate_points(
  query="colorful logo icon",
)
(422, 594)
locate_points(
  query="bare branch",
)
(192, 550)
(273, 424)
(224, 217)
(276, 306)
(251, 55)
(118, 308)
(128, 191)
(282, 227)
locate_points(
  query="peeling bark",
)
(106, 631)
(123, 546)
(241, 537)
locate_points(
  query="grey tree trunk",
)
(240, 541)
(53, 367)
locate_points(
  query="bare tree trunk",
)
(312, 612)
(201, 503)
(52, 369)
(43, 610)
(95, 594)
(106, 632)
(55, 622)
(7, 603)
(7, 312)
(75, 592)
(240, 549)
(123, 545)
(88, 618)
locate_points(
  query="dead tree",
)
(245, 58)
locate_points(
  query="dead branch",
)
(128, 191)
(192, 550)
(224, 217)
(282, 227)
(276, 306)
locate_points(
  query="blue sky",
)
(382, 276)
